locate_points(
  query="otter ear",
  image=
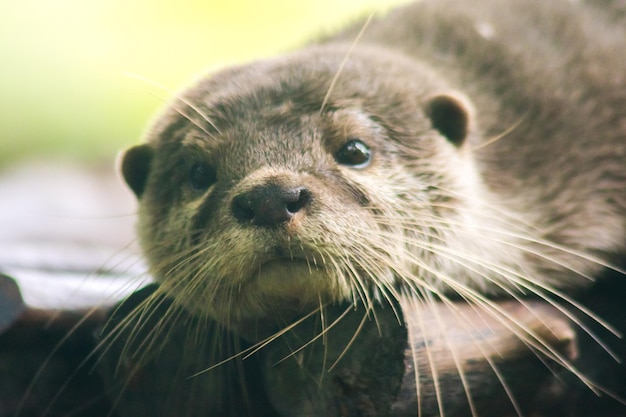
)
(451, 114)
(135, 167)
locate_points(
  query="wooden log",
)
(44, 370)
(351, 365)
(457, 360)
(354, 368)
(400, 361)
(464, 361)
(363, 365)
(158, 367)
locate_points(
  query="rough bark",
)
(392, 361)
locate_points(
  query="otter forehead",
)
(309, 78)
(296, 106)
(309, 82)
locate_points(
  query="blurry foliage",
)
(64, 84)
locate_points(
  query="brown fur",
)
(441, 206)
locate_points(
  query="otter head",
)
(269, 189)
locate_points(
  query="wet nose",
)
(270, 204)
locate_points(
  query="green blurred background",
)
(65, 88)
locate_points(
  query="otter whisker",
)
(351, 341)
(317, 337)
(83, 363)
(41, 369)
(420, 295)
(431, 364)
(507, 320)
(487, 357)
(324, 331)
(535, 342)
(542, 242)
(504, 134)
(195, 108)
(518, 279)
(140, 316)
(252, 350)
(455, 359)
(339, 71)
(534, 252)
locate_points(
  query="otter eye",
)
(201, 176)
(354, 153)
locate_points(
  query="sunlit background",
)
(73, 72)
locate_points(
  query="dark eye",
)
(201, 176)
(354, 153)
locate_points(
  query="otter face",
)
(263, 191)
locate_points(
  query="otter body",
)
(469, 148)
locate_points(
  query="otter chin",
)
(359, 171)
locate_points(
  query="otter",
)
(476, 149)
(468, 150)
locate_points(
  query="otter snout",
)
(270, 204)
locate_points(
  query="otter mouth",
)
(281, 263)
(286, 275)
(281, 257)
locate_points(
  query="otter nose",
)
(270, 204)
